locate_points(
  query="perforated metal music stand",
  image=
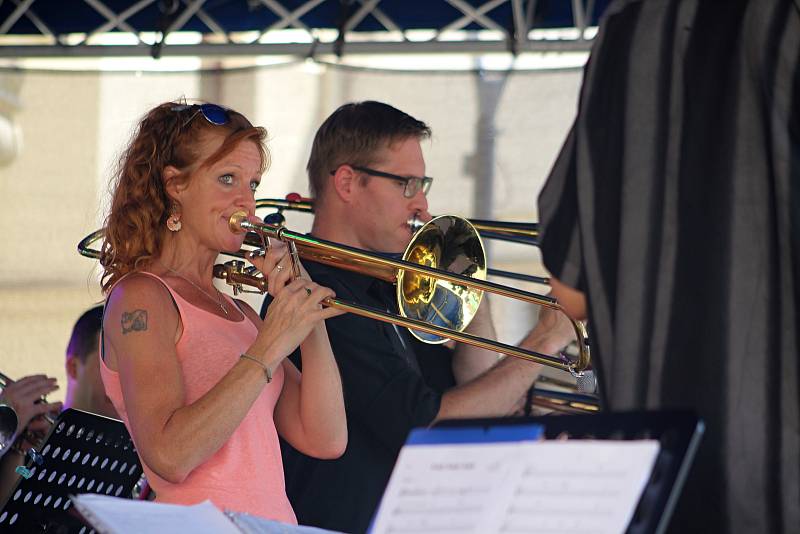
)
(83, 453)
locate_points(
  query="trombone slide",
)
(229, 273)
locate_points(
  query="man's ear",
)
(72, 367)
(172, 184)
(345, 182)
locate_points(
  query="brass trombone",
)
(527, 233)
(434, 301)
(564, 402)
(515, 232)
(423, 286)
(562, 396)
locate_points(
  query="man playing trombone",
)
(367, 177)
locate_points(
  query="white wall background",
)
(73, 125)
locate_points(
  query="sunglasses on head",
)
(216, 115)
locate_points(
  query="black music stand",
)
(83, 453)
(678, 432)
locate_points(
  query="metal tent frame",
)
(80, 28)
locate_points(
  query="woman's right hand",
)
(294, 312)
(296, 307)
(277, 266)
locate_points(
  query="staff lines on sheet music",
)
(439, 491)
(580, 473)
(408, 509)
(564, 522)
(575, 490)
(516, 488)
(431, 524)
(542, 509)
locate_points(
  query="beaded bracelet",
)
(259, 362)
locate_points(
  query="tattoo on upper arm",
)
(135, 321)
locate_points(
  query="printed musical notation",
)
(549, 487)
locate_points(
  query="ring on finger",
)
(279, 267)
(257, 253)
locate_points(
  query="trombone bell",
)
(449, 244)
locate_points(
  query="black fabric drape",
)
(675, 207)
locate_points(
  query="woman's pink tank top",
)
(246, 474)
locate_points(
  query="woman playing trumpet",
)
(200, 381)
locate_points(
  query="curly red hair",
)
(169, 134)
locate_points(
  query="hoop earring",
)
(174, 220)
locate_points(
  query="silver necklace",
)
(217, 301)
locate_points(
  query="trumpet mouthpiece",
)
(236, 220)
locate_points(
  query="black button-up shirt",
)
(392, 383)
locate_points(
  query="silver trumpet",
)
(8, 417)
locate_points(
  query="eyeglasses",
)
(413, 183)
(216, 115)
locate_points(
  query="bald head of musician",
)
(85, 389)
(367, 176)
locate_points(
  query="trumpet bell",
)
(449, 244)
(8, 425)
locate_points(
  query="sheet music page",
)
(590, 486)
(544, 486)
(447, 488)
(128, 516)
